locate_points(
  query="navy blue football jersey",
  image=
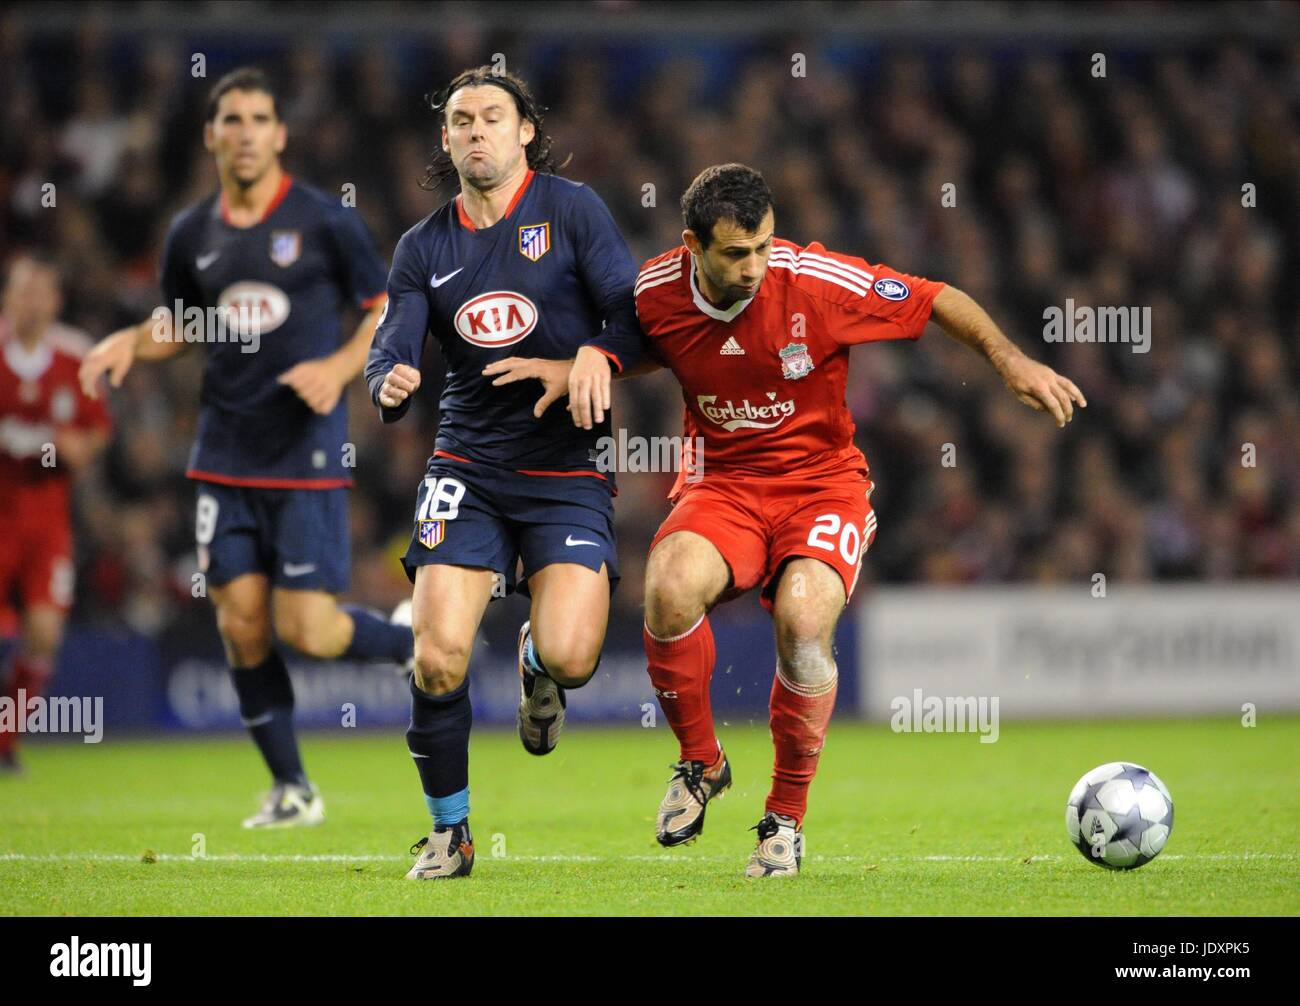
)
(279, 288)
(551, 276)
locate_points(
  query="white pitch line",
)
(237, 857)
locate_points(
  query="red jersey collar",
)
(286, 181)
(717, 313)
(468, 224)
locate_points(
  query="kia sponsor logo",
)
(730, 416)
(499, 318)
(254, 307)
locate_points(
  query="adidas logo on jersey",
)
(731, 348)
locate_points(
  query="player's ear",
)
(692, 242)
(445, 149)
(526, 132)
(209, 137)
(281, 137)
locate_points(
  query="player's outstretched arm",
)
(393, 367)
(1034, 383)
(114, 354)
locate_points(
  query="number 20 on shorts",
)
(828, 525)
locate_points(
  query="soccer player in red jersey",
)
(48, 430)
(757, 331)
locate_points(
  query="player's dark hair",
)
(538, 152)
(725, 192)
(245, 78)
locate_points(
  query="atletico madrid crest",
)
(432, 532)
(286, 246)
(534, 240)
(795, 361)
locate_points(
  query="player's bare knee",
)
(440, 667)
(799, 625)
(807, 661)
(42, 631)
(804, 642)
(299, 632)
(40, 638)
(310, 644)
(247, 635)
(670, 611)
(684, 578)
(674, 599)
(570, 666)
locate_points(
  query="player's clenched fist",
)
(399, 384)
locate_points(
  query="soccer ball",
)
(1119, 816)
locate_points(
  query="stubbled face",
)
(735, 261)
(485, 135)
(31, 300)
(246, 137)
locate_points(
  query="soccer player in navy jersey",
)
(277, 260)
(520, 262)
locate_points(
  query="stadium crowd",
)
(1025, 180)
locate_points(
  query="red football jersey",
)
(39, 395)
(764, 379)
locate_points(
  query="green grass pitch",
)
(922, 824)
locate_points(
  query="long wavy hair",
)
(538, 152)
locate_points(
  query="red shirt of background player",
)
(764, 379)
(40, 395)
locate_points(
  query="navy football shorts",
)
(297, 537)
(470, 514)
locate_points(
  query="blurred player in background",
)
(49, 430)
(278, 260)
(522, 259)
(757, 329)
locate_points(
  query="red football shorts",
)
(35, 557)
(757, 524)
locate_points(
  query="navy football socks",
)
(376, 638)
(266, 707)
(438, 739)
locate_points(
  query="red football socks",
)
(800, 715)
(680, 670)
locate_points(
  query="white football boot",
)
(289, 806)
(447, 852)
(780, 848)
(541, 706)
